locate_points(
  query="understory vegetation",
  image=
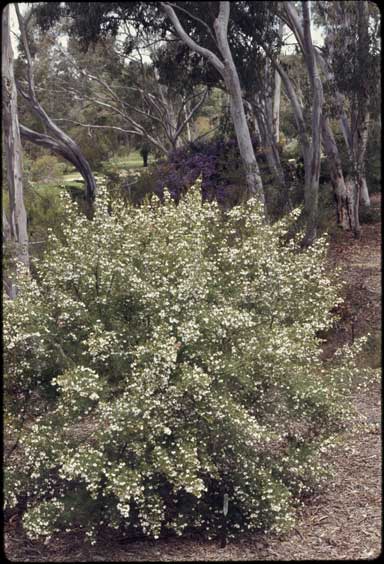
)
(163, 356)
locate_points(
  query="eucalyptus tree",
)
(134, 97)
(224, 64)
(14, 229)
(310, 137)
(55, 139)
(256, 24)
(351, 30)
(205, 25)
(312, 157)
(343, 188)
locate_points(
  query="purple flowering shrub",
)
(218, 162)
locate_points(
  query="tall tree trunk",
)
(270, 149)
(188, 126)
(342, 190)
(276, 107)
(363, 113)
(312, 153)
(232, 83)
(277, 96)
(257, 130)
(8, 283)
(18, 218)
(265, 111)
(364, 195)
(360, 155)
(252, 171)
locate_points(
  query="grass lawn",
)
(120, 164)
(127, 162)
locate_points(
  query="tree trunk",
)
(188, 127)
(270, 149)
(361, 151)
(312, 171)
(18, 218)
(252, 172)
(264, 109)
(365, 200)
(257, 130)
(8, 284)
(62, 144)
(363, 44)
(355, 188)
(276, 107)
(78, 161)
(343, 197)
(232, 83)
(277, 96)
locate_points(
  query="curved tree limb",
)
(62, 140)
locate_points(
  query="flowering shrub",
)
(217, 162)
(164, 356)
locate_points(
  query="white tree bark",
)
(312, 174)
(276, 107)
(277, 96)
(227, 69)
(257, 130)
(310, 146)
(344, 190)
(16, 229)
(362, 117)
(360, 150)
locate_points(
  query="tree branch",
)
(219, 66)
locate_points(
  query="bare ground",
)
(344, 522)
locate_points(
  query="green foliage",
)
(45, 211)
(139, 184)
(370, 215)
(96, 146)
(372, 353)
(373, 158)
(46, 168)
(165, 355)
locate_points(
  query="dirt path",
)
(342, 523)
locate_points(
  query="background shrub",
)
(46, 168)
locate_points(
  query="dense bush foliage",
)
(96, 145)
(46, 168)
(373, 159)
(45, 211)
(165, 355)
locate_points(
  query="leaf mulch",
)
(341, 523)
